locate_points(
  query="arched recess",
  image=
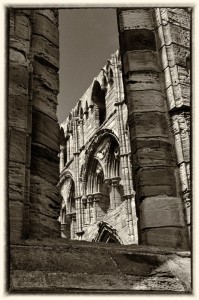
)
(107, 234)
(68, 208)
(101, 171)
(98, 98)
(97, 139)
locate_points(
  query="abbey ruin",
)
(107, 193)
(95, 164)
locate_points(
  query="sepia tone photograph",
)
(98, 150)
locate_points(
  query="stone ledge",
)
(146, 269)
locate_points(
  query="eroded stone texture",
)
(153, 158)
(98, 268)
(174, 37)
(33, 129)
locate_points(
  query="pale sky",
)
(88, 37)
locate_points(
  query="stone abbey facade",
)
(124, 158)
(98, 202)
(99, 154)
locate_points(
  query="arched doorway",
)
(68, 209)
(107, 234)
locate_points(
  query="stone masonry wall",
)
(39, 260)
(33, 128)
(173, 42)
(159, 201)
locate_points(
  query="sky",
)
(88, 37)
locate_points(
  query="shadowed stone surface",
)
(65, 267)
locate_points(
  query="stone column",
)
(160, 209)
(115, 197)
(173, 43)
(97, 198)
(61, 158)
(33, 127)
(83, 212)
(73, 226)
(66, 226)
(90, 204)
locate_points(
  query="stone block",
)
(173, 237)
(179, 17)
(54, 259)
(152, 153)
(19, 44)
(155, 190)
(22, 27)
(141, 60)
(18, 79)
(44, 27)
(45, 152)
(161, 212)
(143, 101)
(137, 39)
(51, 14)
(15, 220)
(16, 181)
(148, 124)
(157, 284)
(45, 51)
(159, 176)
(135, 19)
(176, 75)
(45, 131)
(45, 168)
(180, 35)
(136, 264)
(44, 197)
(42, 101)
(43, 93)
(17, 56)
(17, 106)
(143, 81)
(17, 146)
(47, 75)
(173, 55)
(41, 225)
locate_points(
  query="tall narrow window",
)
(98, 97)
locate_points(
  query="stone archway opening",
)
(107, 234)
(98, 98)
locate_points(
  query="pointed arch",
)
(107, 234)
(96, 140)
(98, 98)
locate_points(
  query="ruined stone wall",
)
(54, 265)
(157, 94)
(32, 121)
(85, 136)
(174, 40)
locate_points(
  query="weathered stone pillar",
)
(160, 207)
(61, 158)
(115, 197)
(33, 128)
(19, 121)
(65, 226)
(90, 204)
(173, 43)
(73, 226)
(97, 198)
